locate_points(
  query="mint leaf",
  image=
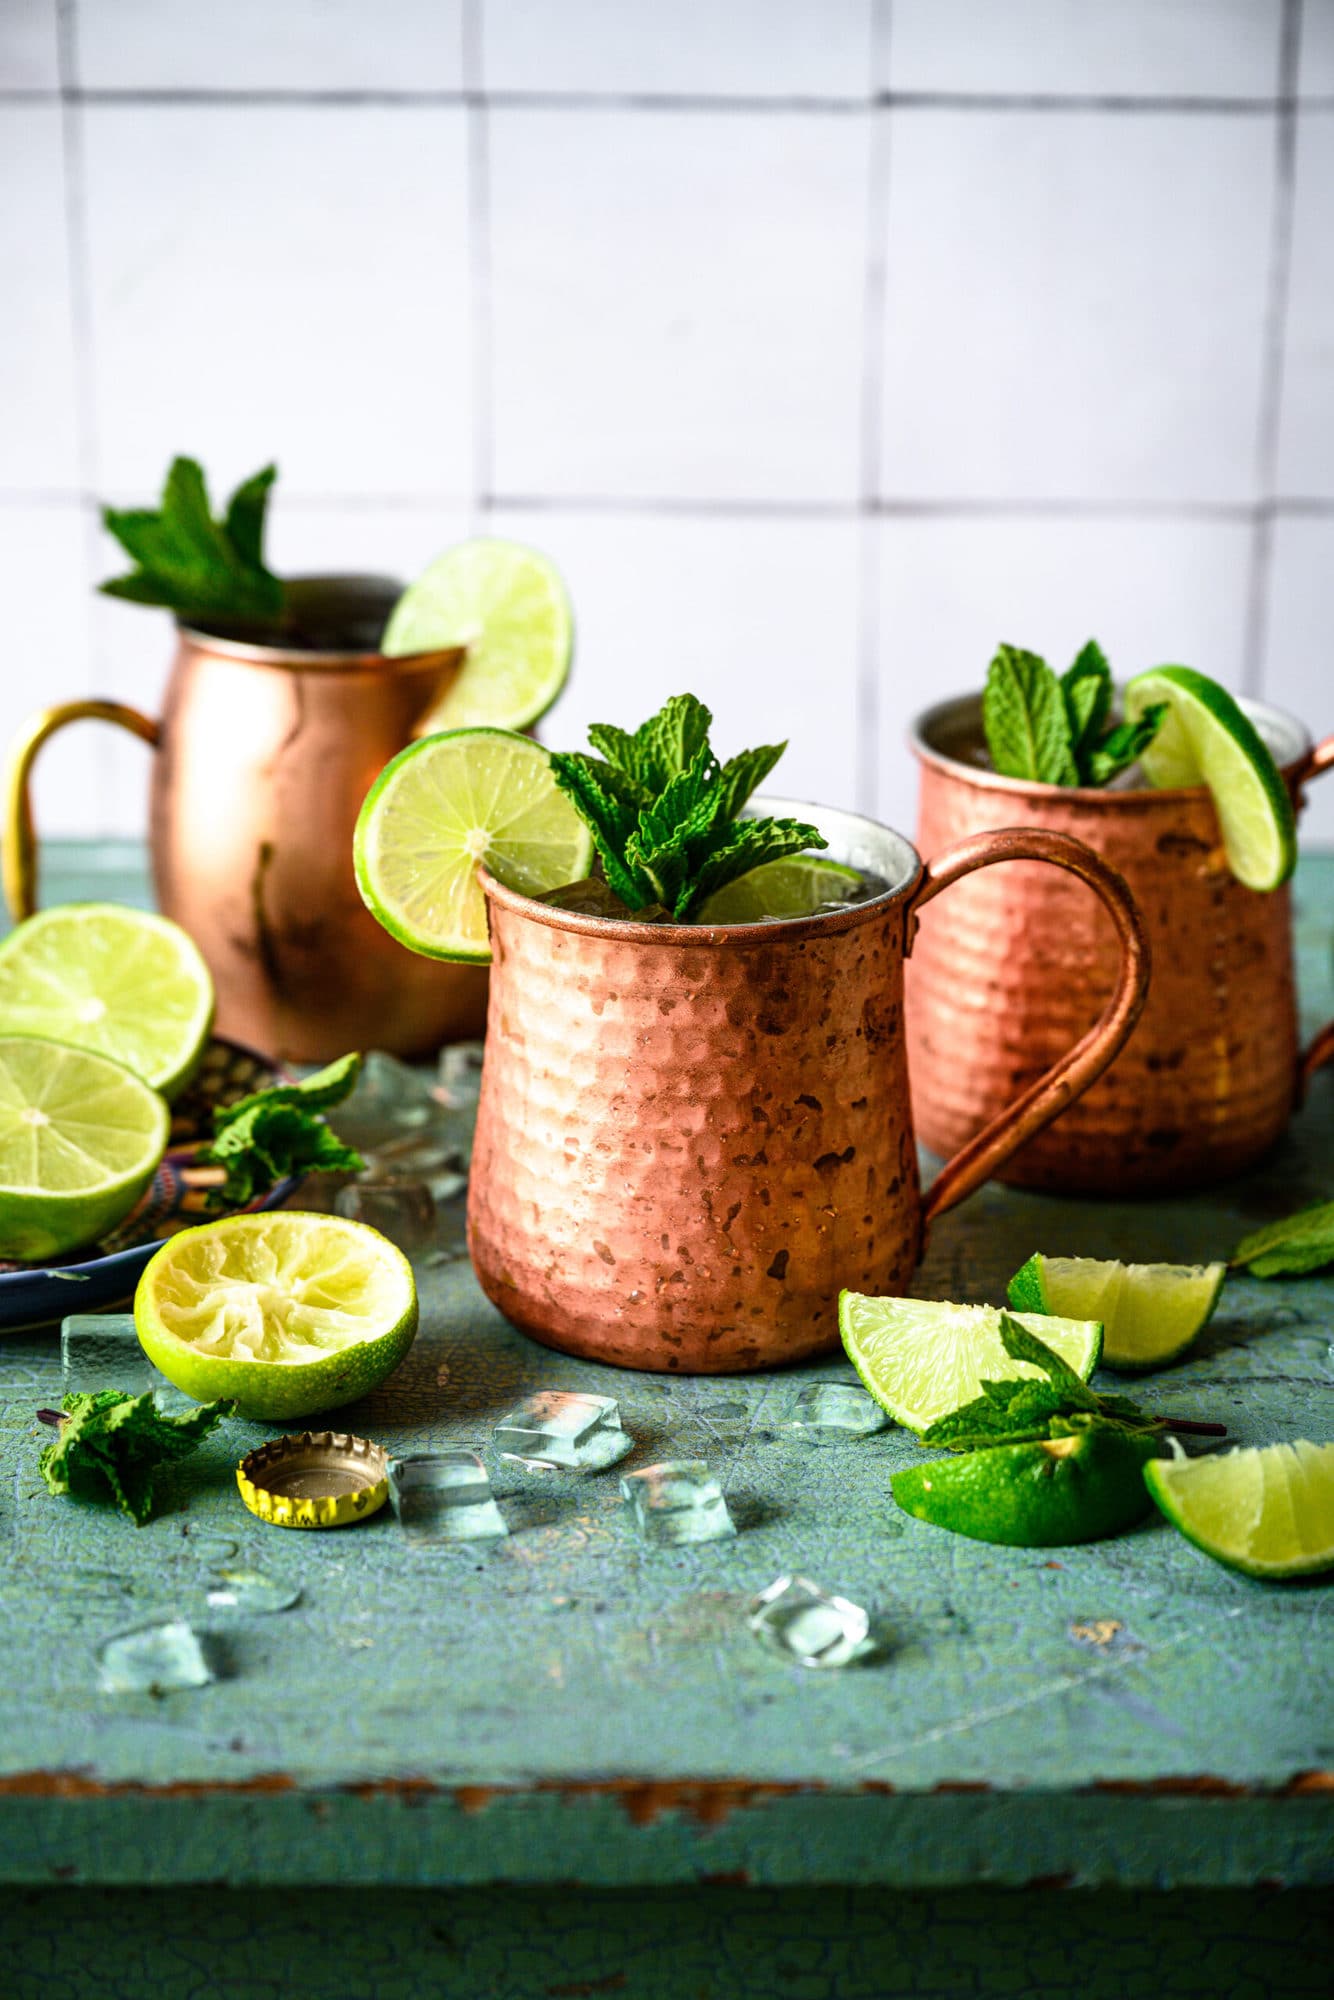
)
(272, 1134)
(1298, 1244)
(610, 819)
(113, 1440)
(742, 775)
(1025, 1409)
(1087, 690)
(1021, 1345)
(750, 842)
(669, 741)
(202, 569)
(1024, 716)
(1126, 744)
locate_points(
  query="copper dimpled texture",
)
(1019, 961)
(689, 1140)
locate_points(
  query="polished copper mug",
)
(690, 1137)
(264, 755)
(1022, 961)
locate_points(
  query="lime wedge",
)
(80, 1139)
(1033, 1496)
(1205, 739)
(797, 886)
(444, 805)
(921, 1358)
(1149, 1312)
(1266, 1511)
(119, 982)
(288, 1313)
(508, 606)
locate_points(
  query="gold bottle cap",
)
(316, 1479)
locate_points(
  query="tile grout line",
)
(478, 135)
(866, 713)
(1260, 577)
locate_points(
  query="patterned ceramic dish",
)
(106, 1273)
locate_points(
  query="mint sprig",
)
(1298, 1244)
(663, 811)
(262, 1139)
(111, 1441)
(1025, 1409)
(1054, 732)
(207, 571)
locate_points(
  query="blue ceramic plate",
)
(106, 1274)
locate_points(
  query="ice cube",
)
(391, 1099)
(804, 1623)
(402, 1210)
(444, 1496)
(251, 1591)
(569, 1430)
(460, 1074)
(102, 1351)
(677, 1501)
(835, 1413)
(154, 1659)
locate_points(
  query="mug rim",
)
(790, 930)
(927, 754)
(324, 659)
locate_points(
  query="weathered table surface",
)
(570, 1705)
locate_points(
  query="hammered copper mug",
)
(263, 757)
(1022, 961)
(691, 1137)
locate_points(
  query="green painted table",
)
(559, 1764)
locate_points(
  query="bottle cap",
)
(316, 1479)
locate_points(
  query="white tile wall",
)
(1306, 435)
(951, 590)
(28, 58)
(38, 429)
(1058, 330)
(746, 48)
(823, 341)
(1136, 48)
(289, 45)
(676, 303)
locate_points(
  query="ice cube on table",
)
(678, 1501)
(402, 1210)
(808, 1625)
(391, 1101)
(835, 1413)
(153, 1659)
(444, 1496)
(251, 1591)
(460, 1074)
(102, 1351)
(566, 1430)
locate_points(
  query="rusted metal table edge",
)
(1202, 1832)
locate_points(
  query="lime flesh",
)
(921, 1358)
(1205, 739)
(442, 807)
(508, 606)
(1149, 1312)
(1033, 1496)
(1267, 1511)
(116, 981)
(80, 1139)
(796, 886)
(288, 1313)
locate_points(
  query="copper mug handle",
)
(1086, 1061)
(20, 836)
(1316, 761)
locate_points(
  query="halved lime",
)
(80, 1139)
(120, 982)
(1205, 739)
(1033, 1496)
(288, 1313)
(796, 886)
(1267, 1511)
(1149, 1312)
(444, 805)
(922, 1358)
(508, 606)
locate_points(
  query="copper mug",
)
(691, 1137)
(1022, 961)
(264, 755)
